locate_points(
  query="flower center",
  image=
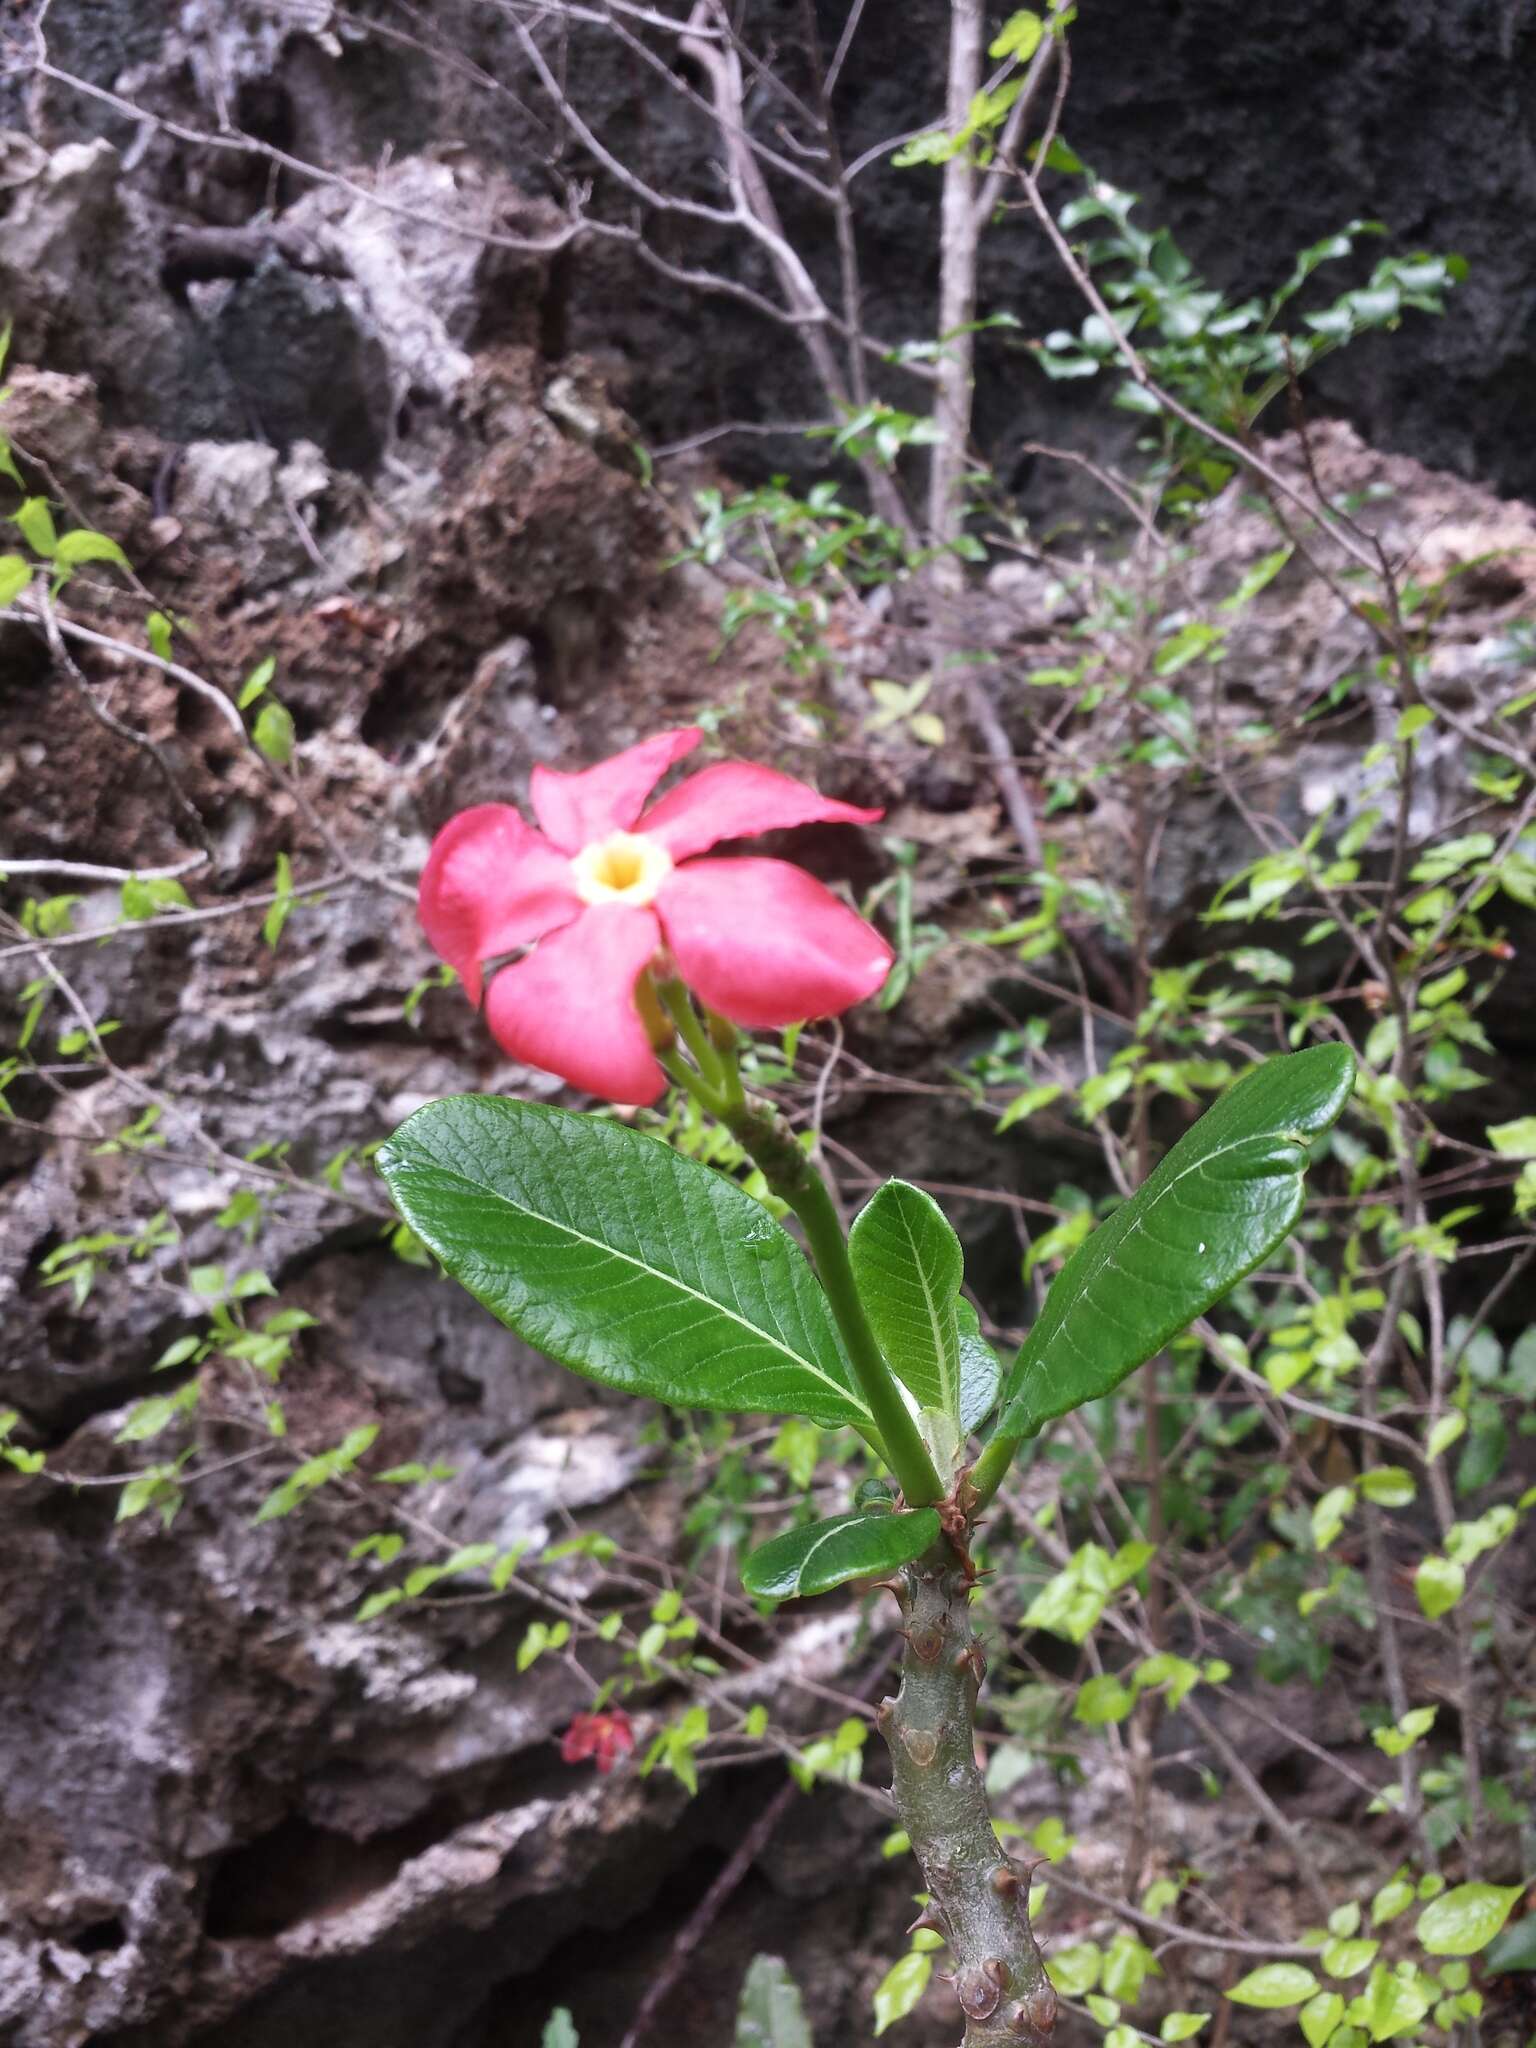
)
(626, 867)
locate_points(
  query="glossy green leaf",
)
(827, 1554)
(901, 1987)
(84, 545)
(1181, 2026)
(908, 1265)
(1439, 1583)
(1320, 2016)
(771, 2014)
(1274, 1985)
(981, 1370)
(1392, 2003)
(15, 575)
(1515, 1949)
(1224, 1196)
(1464, 1920)
(608, 1251)
(37, 528)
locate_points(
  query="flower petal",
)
(576, 809)
(736, 800)
(765, 944)
(491, 884)
(570, 1007)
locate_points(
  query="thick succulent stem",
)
(794, 1179)
(979, 1900)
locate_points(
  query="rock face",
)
(1240, 126)
(233, 1813)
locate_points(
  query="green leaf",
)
(1414, 720)
(981, 1370)
(900, 1988)
(273, 732)
(1319, 2016)
(770, 2014)
(560, 2030)
(1515, 1140)
(1515, 1949)
(610, 1252)
(1226, 1194)
(1075, 1971)
(908, 1265)
(1390, 2004)
(1330, 1514)
(1181, 2026)
(36, 524)
(1349, 1958)
(1444, 1434)
(1395, 1741)
(256, 682)
(1102, 1700)
(827, 1554)
(1395, 1897)
(1439, 1584)
(1389, 1486)
(1274, 1985)
(85, 546)
(15, 575)
(1464, 1920)
(1020, 37)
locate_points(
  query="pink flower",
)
(603, 891)
(603, 1738)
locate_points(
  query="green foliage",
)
(606, 1250)
(1462, 1922)
(1226, 360)
(771, 2014)
(908, 1265)
(822, 1555)
(1221, 1200)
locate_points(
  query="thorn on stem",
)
(930, 1919)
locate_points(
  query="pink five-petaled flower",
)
(608, 887)
(603, 1738)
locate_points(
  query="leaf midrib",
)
(944, 1353)
(671, 1279)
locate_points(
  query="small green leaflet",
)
(771, 2014)
(908, 1265)
(1224, 1196)
(83, 545)
(981, 1371)
(827, 1554)
(608, 1251)
(15, 575)
(1464, 1921)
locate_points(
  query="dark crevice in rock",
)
(297, 1872)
